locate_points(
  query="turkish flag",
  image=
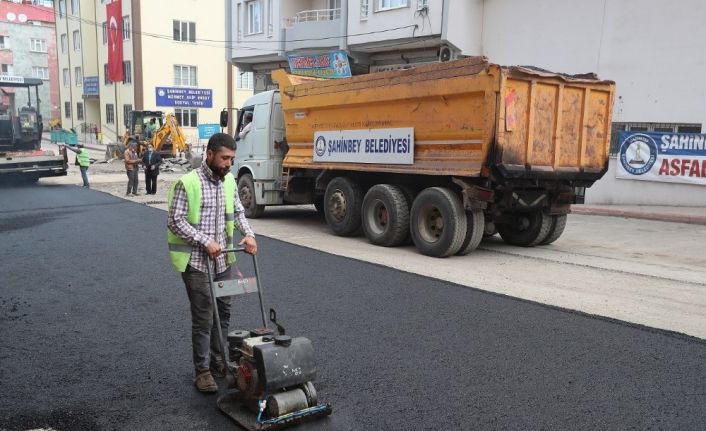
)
(114, 20)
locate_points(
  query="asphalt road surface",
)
(95, 335)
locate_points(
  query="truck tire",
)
(385, 215)
(528, 230)
(246, 191)
(438, 222)
(342, 202)
(475, 228)
(555, 231)
(409, 193)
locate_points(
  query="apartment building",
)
(169, 47)
(28, 49)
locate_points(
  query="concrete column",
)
(343, 45)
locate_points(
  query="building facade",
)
(28, 49)
(173, 61)
(650, 48)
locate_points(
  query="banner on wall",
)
(665, 157)
(329, 65)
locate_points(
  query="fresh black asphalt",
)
(95, 335)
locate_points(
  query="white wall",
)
(464, 24)
(653, 49)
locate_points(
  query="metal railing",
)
(312, 16)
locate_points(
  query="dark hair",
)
(219, 140)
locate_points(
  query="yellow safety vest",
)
(179, 249)
(83, 158)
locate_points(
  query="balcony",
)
(319, 28)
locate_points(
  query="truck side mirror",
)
(224, 118)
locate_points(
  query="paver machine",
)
(269, 375)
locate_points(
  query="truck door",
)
(277, 143)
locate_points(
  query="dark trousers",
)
(151, 182)
(132, 180)
(204, 333)
(84, 175)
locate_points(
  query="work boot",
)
(204, 382)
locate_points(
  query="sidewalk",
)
(692, 215)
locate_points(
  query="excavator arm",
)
(170, 133)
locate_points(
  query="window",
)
(79, 111)
(254, 17)
(78, 76)
(364, 9)
(270, 23)
(185, 76)
(62, 8)
(109, 113)
(74, 7)
(67, 109)
(390, 4)
(65, 72)
(105, 32)
(40, 72)
(127, 72)
(244, 80)
(422, 4)
(126, 111)
(64, 43)
(4, 42)
(106, 81)
(186, 117)
(184, 31)
(6, 69)
(126, 28)
(38, 45)
(77, 40)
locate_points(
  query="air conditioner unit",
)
(447, 53)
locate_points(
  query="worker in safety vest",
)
(83, 161)
(204, 212)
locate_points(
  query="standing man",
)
(83, 161)
(151, 161)
(131, 162)
(204, 211)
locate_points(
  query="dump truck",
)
(444, 153)
(21, 126)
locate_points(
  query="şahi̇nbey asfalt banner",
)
(667, 157)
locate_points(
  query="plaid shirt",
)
(211, 225)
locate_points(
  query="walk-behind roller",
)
(268, 376)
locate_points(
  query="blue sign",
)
(90, 85)
(208, 130)
(330, 65)
(181, 97)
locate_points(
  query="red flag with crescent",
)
(114, 23)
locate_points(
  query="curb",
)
(668, 217)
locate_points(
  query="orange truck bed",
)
(469, 116)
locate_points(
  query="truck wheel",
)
(438, 222)
(342, 203)
(555, 231)
(409, 193)
(475, 227)
(527, 230)
(246, 191)
(385, 215)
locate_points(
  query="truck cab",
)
(261, 149)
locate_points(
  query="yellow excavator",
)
(152, 127)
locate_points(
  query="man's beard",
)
(219, 172)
